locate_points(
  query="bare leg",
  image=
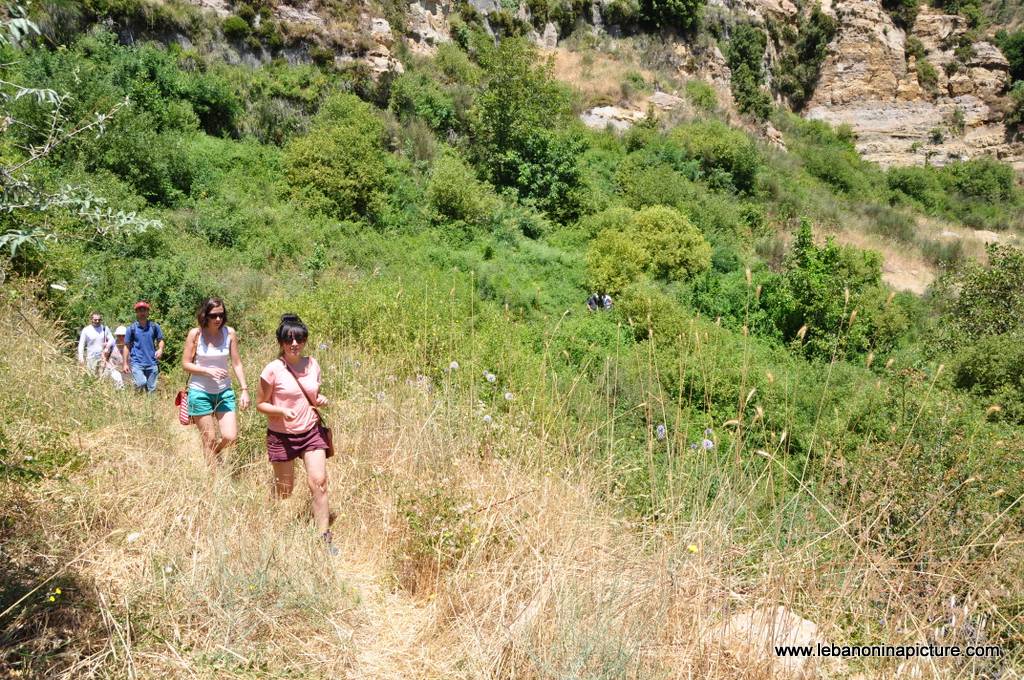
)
(316, 476)
(228, 423)
(284, 479)
(208, 431)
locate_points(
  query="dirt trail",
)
(386, 631)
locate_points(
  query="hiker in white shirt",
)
(93, 342)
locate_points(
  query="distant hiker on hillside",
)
(211, 399)
(289, 395)
(606, 302)
(593, 302)
(113, 358)
(94, 340)
(144, 345)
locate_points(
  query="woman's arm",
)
(264, 406)
(236, 364)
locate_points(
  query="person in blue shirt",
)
(143, 347)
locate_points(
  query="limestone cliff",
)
(869, 82)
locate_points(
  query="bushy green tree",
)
(658, 241)
(721, 149)
(745, 56)
(524, 137)
(456, 195)
(982, 300)
(796, 73)
(678, 14)
(615, 260)
(416, 93)
(677, 249)
(814, 300)
(341, 164)
(1012, 46)
(903, 12)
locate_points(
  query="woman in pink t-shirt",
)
(287, 386)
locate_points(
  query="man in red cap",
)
(143, 345)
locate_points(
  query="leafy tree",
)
(341, 164)
(679, 14)
(658, 240)
(524, 138)
(416, 93)
(814, 300)
(982, 300)
(677, 249)
(720, 149)
(33, 213)
(1012, 46)
(903, 12)
(745, 56)
(796, 73)
(456, 195)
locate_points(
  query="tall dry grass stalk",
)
(468, 550)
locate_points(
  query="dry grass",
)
(184, 573)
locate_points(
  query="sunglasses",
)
(216, 315)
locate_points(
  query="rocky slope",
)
(870, 80)
(870, 83)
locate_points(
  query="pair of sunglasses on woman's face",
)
(215, 315)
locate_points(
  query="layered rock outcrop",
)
(900, 115)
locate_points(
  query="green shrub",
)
(720, 148)
(745, 56)
(1012, 47)
(658, 240)
(981, 300)
(813, 301)
(1015, 116)
(992, 367)
(983, 178)
(677, 250)
(799, 65)
(903, 12)
(915, 48)
(341, 164)
(701, 95)
(415, 93)
(621, 12)
(455, 194)
(615, 260)
(235, 28)
(524, 133)
(927, 76)
(648, 311)
(678, 14)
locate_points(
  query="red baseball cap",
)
(141, 304)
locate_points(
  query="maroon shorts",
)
(282, 447)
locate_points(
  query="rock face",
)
(428, 25)
(869, 83)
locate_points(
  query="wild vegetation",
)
(758, 421)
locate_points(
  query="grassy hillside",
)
(757, 422)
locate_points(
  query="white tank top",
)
(212, 356)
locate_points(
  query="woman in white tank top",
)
(211, 400)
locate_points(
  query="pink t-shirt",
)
(285, 392)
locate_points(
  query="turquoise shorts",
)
(203, 403)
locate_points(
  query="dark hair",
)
(202, 314)
(291, 327)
